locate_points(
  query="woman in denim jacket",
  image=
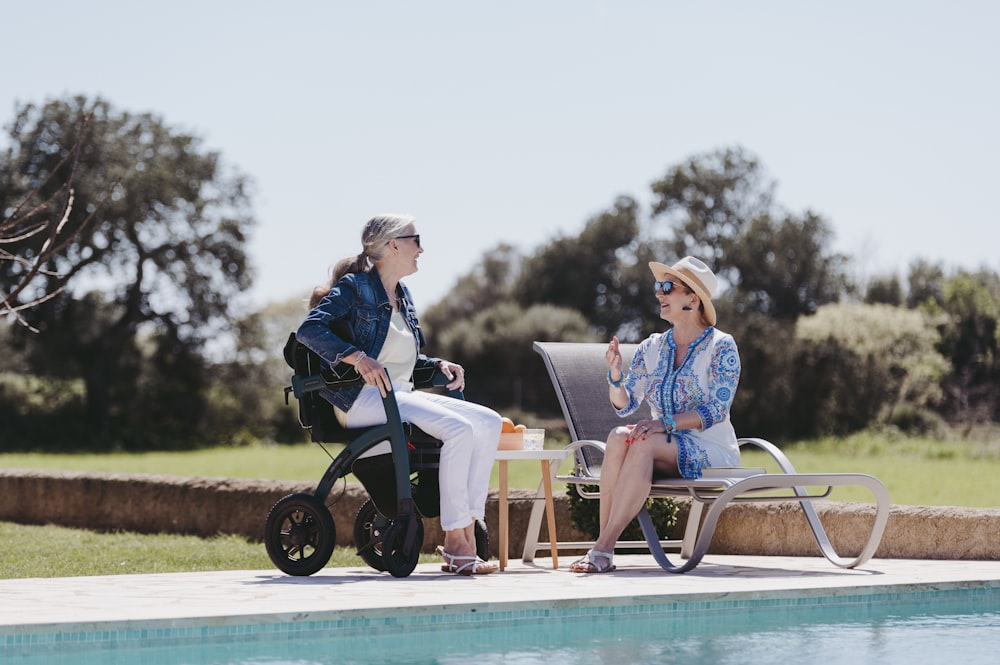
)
(367, 296)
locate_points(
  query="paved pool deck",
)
(47, 611)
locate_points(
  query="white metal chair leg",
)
(691, 530)
(534, 526)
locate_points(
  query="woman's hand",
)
(614, 359)
(372, 372)
(643, 429)
(454, 373)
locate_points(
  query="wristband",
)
(670, 425)
(361, 356)
(615, 384)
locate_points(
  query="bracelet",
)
(670, 426)
(361, 356)
(615, 384)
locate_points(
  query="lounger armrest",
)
(583, 466)
(783, 462)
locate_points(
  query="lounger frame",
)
(577, 372)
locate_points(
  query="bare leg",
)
(632, 484)
(456, 542)
(614, 457)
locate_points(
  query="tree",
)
(925, 281)
(971, 341)
(490, 282)
(708, 201)
(245, 388)
(720, 207)
(775, 269)
(586, 272)
(163, 258)
(495, 347)
(860, 364)
(763, 403)
(32, 220)
(885, 291)
(783, 269)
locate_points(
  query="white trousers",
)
(469, 433)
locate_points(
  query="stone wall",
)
(209, 506)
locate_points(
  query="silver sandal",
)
(591, 563)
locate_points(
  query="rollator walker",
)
(397, 463)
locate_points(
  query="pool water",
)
(954, 626)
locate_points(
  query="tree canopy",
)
(161, 263)
(782, 268)
(706, 203)
(585, 272)
(149, 264)
(34, 228)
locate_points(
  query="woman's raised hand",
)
(614, 357)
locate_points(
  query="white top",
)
(398, 356)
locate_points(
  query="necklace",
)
(666, 396)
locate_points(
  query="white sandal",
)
(591, 563)
(473, 564)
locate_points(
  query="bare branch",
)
(29, 219)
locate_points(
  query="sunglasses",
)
(416, 238)
(666, 286)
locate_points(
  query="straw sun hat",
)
(696, 275)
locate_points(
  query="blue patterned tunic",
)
(705, 383)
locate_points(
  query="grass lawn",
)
(916, 471)
(52, 551)
(297, 462)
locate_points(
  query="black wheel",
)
(369, 526)
(396, 557)
(482, 541)
(300, 534)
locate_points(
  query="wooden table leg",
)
(502, 545)
(550, 512)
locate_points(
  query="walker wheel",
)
(399, 556)
(300, 534)
(369, 526)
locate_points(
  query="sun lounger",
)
(577, 372)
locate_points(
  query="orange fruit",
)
(519, 428)
(508, 426)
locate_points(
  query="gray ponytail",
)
(375, 236)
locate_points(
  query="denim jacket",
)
(357, 306)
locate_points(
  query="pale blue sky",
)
(517, 121)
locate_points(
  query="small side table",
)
(548, 458)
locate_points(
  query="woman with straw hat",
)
(689, 376)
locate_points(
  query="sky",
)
(519, 121)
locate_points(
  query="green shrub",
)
(858, 365)
(585, 515)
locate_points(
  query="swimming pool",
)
(954, 625)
